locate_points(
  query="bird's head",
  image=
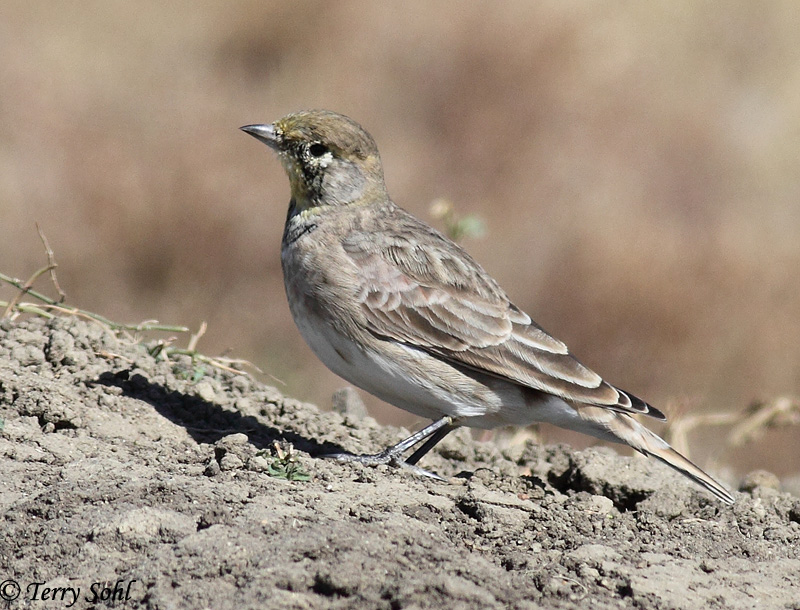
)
(330, 159)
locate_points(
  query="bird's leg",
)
(430, 443)
(394, 454)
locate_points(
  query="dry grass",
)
(636, 166)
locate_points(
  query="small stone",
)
(212, 468)
(258, 463)
(231, 461)
(232, 440)
(759, 479)
(233, 451)
(601, 505)
(205, 391)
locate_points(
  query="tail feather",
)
(675, 460)
(622, 428)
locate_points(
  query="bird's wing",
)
(421, 289)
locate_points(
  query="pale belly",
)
(377, 374)
(394, 375)
(421, 383)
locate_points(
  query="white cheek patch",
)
(325, 160)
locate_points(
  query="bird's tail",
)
(675, 460)
(622, 428)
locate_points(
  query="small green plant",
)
(284, 464)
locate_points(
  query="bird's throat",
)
(303, 208)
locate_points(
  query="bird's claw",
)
(384, 457)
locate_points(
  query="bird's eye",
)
(317, 149)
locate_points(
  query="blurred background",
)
(637, 166)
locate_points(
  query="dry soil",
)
(154, 483)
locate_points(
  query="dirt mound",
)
(161, 484)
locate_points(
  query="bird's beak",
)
(264, 133)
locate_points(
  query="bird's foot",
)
(392, 458)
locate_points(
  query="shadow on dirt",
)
(207, 422)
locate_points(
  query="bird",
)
(401, 311)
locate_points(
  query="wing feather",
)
(438, 299)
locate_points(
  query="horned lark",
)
(399, 310)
